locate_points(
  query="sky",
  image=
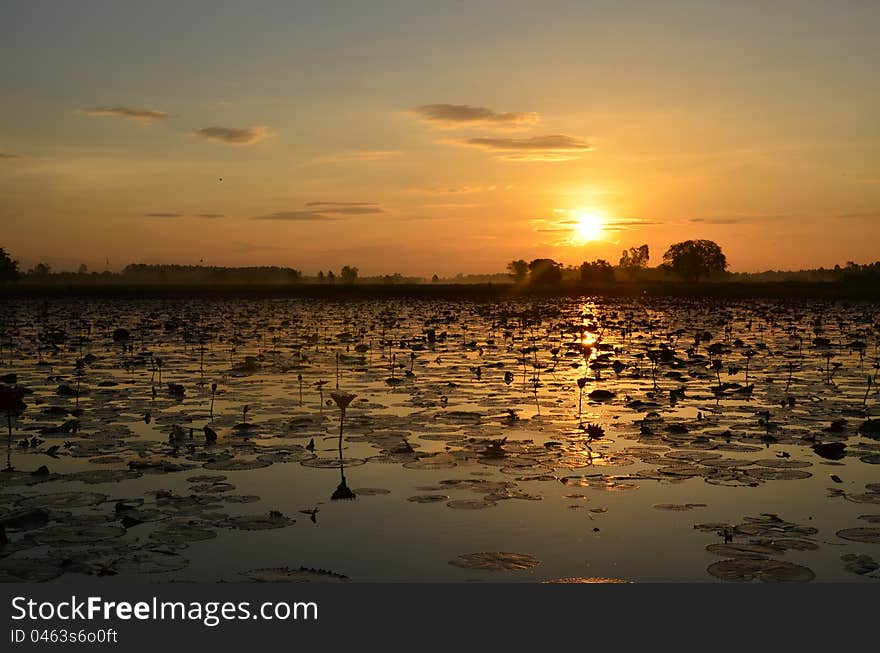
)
(437, 137)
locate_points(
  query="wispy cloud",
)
(323, 211)
(360, 155)
(737, 219)
(9, 156)
(551, 143)
(461, 190)
(233, 135)
(553, 147)
(342, 204)
(131, 113)
(869, 215)
(207, 216)
(297, 216)
(251, 248)
(450, 116)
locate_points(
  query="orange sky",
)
(444, 138)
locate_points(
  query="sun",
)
(589, 225)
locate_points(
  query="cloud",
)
(142, 115)
(232, 135)
(461, 190)
(551, 143)
(554, 147)
(5, 156)
(450, 116)
(860, 216)
(341, 204)
(180, 215)
(736, 219)
(250, 248)
(323, 211)
(296, 216)
(360, 155)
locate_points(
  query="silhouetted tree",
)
(635, 258)
(40, 270)
(598, 270)
(435, 279)
(320, 276)
(518, 270)
(348, 274)
(331, 278)
(8, 268)
(83, 269)
(693, 259)
(545, 271)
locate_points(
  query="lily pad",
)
(496, 561)
(865, 534)
(765, 570)
(301, 575)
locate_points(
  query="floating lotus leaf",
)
(428, 498)
(149, 562)
(301, 575)
(765, 570)
(285, 456)
(24, 519)
(431, 463)
(333, 463)
(236, 464)
(213, 487)
(177, 532)
(370, 491)
(107, 460)
(468, 504)
(63, 535)
(682, 471)
(783, 463)
(257, 522)
(579, 580)
(240, 498)
(63, 500)
(29, 570)
(678, 506)
(496, 561)
(206, 478)
(771, 474)
(98, 476)
(859, 564)
(864, 534)
(794, 544)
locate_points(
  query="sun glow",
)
(589, 225)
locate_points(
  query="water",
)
(475, 446)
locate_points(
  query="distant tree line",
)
(690, 260)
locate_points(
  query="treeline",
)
(208, 275)
(688, 261)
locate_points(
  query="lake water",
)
(729, 440)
